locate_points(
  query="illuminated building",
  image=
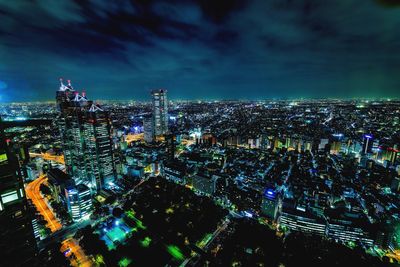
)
(300, 220)
(323, 144)
(170, 146)
(336, 147)
(175, 171)
(160, 112)
(86, 137)
(17, 241)
(270, 204)
(148, 129)
(367, 144)
(99, 150)
(79, 201)
(58, 181)
(136, 172)
(348, 226)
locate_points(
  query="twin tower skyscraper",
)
(85, 130)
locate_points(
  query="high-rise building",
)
(170, 146)
(98, 146)
(85, 130)
(270, 204)
(148, 129)
(367, 144)
(17, 241)
(160, 112)
(79, 201)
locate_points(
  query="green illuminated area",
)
(175, 252)
(204, 241)
(146, 242)
(116, 234)
(124, 262)
(131, 215)
(157, 222)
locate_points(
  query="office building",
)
(58, 181)
(148, 129)
(79, 201)
(97, 131)
(344, 227)
(175, 170)
(85, 131)
(170, 146)
(367, 144)
(270, 204)
(301, 220)
(160, 112)
(17, 241)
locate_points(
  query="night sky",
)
(198, 49)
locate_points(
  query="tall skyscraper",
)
(148, 129)
(170, 146)
(368, 140)
(160, 112)
(85, 131)
(17, 242)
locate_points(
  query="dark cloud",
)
(389, 3)
(200, 49)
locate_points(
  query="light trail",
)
(33, 192)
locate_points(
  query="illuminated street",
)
(47, 156)
(33, 192)
(73, 248)
(134, 138)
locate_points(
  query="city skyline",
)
(198, 133)
(224, 50)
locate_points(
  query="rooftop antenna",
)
(62, 86)
(69, 84)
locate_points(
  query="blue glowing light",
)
(368, 136)
(270, 193)
(248, 214)
(67, 251)
(20, 118)
(116, 222)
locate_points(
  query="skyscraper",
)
(98, 146)
(17, 242)
(368, 140)
(160, 112)
(148, 129)
(85, 131)
(170, 146)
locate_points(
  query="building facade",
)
(79, 201)
(160, 112)
(17, 241)
(270, 204)
(85, 130)
(148, 129)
